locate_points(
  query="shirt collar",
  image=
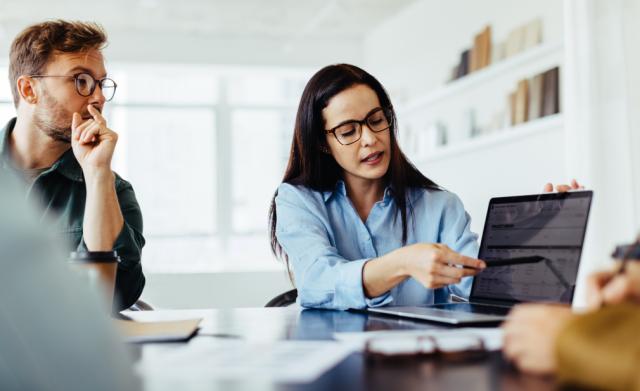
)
(341, 188)
(67, 165)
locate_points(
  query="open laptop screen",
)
(543, 236)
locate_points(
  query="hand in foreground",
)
(530, 334)
(562, 188)
(436, 265)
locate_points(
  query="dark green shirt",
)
(62, 193)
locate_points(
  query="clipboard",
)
(165, 331)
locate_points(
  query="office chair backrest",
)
(284, 299)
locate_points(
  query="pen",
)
(511, 261)
(515, 261)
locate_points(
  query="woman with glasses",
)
(356, 222)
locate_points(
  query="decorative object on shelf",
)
(422, 141)
(472, 127)
(442, 137)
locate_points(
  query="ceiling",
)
(256, 32)
(281, 19)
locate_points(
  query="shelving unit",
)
(550, 52)
(552, 123)
(484, 93)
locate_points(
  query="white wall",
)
(631, 31)
(602, 120)
(215, 290)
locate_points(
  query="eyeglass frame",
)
(388, 113)
(96, 82)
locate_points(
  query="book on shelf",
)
(498, 51)
(463, 67)
(475, 58)
(532, 34)
(486, 46)
(512, 107)
(521, 102)
(551, 100)
(524, 37)
(536, 95)
(481, 52)
(515, 41)
(484, 52)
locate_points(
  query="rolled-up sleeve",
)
(455, 232)
(323, 277)
(130, 280)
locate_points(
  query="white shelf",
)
(482, 76)
(542, 125)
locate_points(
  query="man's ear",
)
(27, 89)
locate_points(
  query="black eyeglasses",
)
(86, 84)
(350, 131)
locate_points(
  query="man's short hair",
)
(33, 47)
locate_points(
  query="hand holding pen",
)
(622, 283)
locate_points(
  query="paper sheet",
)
(491, 337)
(212, 359)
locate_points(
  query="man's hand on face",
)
(92, 142)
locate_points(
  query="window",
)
(205, 149)
(260, 145)
(168, 154)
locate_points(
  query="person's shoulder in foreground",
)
(42, 350)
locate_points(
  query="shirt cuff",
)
(351, 289)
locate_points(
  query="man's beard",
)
(53, 119)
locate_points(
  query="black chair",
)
(283, 299)
(141, 305)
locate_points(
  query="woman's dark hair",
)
(310, 167)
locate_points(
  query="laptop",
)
(532, 246)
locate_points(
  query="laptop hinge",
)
(457, 299)
(495, 302)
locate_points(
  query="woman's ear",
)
(325, 149)
(26, 89)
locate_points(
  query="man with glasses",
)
(61, 146)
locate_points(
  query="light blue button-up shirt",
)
(328, 244)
